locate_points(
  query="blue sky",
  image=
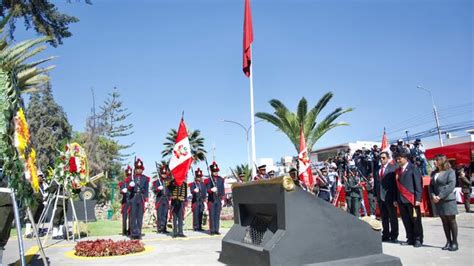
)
(170, 56)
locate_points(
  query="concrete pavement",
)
(203, 249)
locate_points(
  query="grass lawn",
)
(107, 227)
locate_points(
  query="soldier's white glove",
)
(160, 188)
(214, 189)
(196, 190)
(132, 184)
(124, 190)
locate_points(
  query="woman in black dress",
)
(443, 182)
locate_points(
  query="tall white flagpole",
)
(252, 121)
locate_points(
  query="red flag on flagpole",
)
(384, 145)
(248, 39)
(181, 157)
(305, 173)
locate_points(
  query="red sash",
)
(403, 190)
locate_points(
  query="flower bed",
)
(107, 247)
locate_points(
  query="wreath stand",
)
(66, 199)
(16, 213)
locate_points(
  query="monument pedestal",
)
(274, 225)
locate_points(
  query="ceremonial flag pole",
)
(248, 71)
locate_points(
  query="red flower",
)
(72, 165)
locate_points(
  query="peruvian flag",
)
(305, 173)
(384, 146)
(181, 158)
(248, 39)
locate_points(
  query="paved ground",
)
(201, 248)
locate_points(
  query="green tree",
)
(196, 141)
(17, 77)
(42, 15)
(112, 120)
(290, 123)
(49, 127)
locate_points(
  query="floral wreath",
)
(72, 168)
(26, 153)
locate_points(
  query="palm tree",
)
(243, 169)
(196, 141)
(17, 77)
(290, 123)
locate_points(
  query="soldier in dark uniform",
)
(409, 184)
(6, 215)
(138, 188)
(199, 191)
(262, 173)
(179, 193)
(466, 189)
(371, 196)
(386, 191)
(125, 209)
(162, 200)
(294, 176)
(322, 184)
(215, 193)
(354, 192)
(58, 218)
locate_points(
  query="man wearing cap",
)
(409, 185)
(179, 195)
(418, 156)
(262, 173)
(322, 181)
(162, 200)
(215, 194)
(125, 209)
(138, 188)
(294, 176)
(199, 191)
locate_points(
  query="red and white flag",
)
(305, 173)
(384, 146)
(248, 39)
(181, 158)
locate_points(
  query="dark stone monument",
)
(275, 225)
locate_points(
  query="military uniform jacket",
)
(219, 183)
(165, 192)
(353, 187)
(409, 184)
(201, 195)
(385, 184)
(141, 187)
(126, 195)
(465, 184)
(178, 193)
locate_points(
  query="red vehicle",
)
(461, 154)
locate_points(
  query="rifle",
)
(158, 174)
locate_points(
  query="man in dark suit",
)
(386, 190)
(409, 185)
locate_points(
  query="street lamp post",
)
(247, 131)
(435, 114)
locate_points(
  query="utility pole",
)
(435, 111)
